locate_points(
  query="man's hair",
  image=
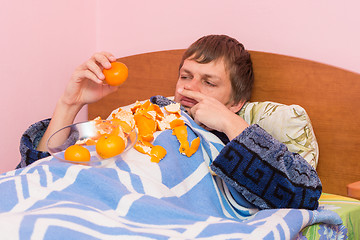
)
(237, 61)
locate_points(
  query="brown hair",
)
(237, 61)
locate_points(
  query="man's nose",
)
(193, 85)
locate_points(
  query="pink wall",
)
(324, 30)
(43, 41)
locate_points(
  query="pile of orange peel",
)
(148, 118)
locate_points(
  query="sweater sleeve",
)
(265, 173)
(29, 141)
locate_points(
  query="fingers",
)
(93, 71)
(103, 59)
(88, 74)
(93, 68)
(107, 89)
(200, 117)
(192, 94)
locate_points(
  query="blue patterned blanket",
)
(133, 198)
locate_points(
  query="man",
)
(215, 80)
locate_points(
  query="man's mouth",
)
(187, 102)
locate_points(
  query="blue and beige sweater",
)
(255, 164)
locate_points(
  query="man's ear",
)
(235, 107)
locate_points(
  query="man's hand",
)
(212, 114)
(85, 86)
(86, 83)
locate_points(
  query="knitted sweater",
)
(255, 164)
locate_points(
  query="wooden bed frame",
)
(329, 95)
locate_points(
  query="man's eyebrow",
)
(207, 76)
(185, 70)
(211, 76)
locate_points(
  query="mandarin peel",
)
(126, 116)
(181, 134)
(180, 131)
(146, 126)
(194, 146)
(124, 126)
(176, 122)
(141, 147)
(173, 108)
(147, 118)
(157, 153)
(90, 142)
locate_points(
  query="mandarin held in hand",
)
(117, 74)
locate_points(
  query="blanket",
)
(134, 198)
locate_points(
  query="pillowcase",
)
(289, 124)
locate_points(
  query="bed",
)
(50, 200)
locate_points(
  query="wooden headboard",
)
(329, 95)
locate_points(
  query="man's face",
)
(210, 79)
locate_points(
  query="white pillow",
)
(289, 124)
